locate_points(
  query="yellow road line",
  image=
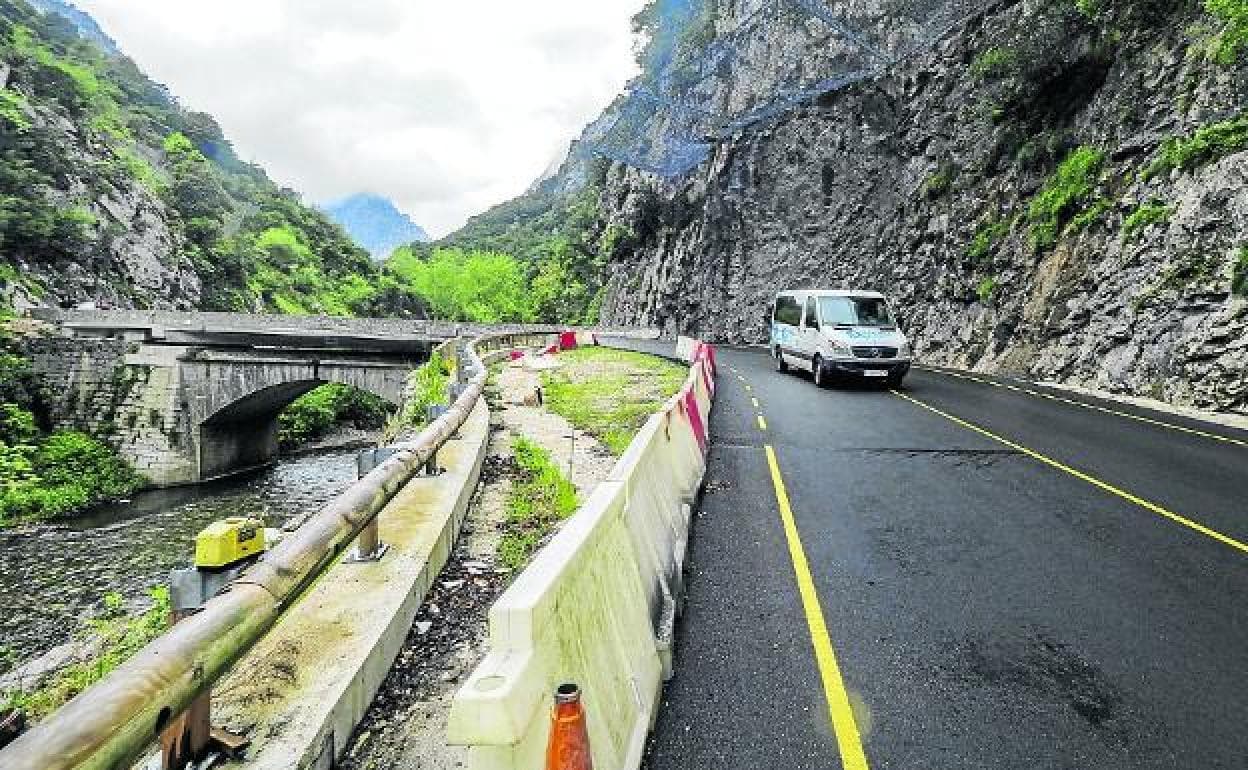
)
(748, 389)
(762, 424)
(754, 401)
(844, 725)
(1113, 490)
(1093, 407)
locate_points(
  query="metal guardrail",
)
(118, 718)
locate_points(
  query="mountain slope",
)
(375, 223)
(113, 193)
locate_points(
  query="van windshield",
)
(854, 311)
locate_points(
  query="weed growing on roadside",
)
(539, 499)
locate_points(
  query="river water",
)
(54, 576)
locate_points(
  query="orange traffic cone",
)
(568, 748)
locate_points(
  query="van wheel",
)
(894, 383)
(781, 366)
(821, 377)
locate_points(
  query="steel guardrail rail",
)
(115, 720)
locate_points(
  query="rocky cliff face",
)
(1056, 189)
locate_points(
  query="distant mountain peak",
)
(88, 28)
(375, 223)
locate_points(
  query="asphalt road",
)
(1074, 598)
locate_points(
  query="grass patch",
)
(610, 394)
(119, 636)
(1063, 195)
(1143, 217)
(1209, 144)
(541, 497)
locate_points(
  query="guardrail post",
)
(368, 545)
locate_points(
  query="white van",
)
(839, 334)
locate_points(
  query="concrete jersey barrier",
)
(597, 604)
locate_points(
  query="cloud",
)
(446, 108)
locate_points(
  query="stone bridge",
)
(192, 397)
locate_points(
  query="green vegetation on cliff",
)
(1061, 199)
(86, 139)
(1208, 144)
(1233, 39)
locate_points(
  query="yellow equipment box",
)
(228, 541)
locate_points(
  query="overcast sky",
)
(445, 107)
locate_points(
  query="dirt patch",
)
(406, 725)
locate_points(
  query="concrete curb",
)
(339, 642)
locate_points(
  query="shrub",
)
(1146, 215)
(69, 458)
(317, 413)
(1088, 8)
(986, 289)
(1239, 273)
(17, 425)
(63, 474)
(1234, 36)
(936, 185)
(995, 63)
(1208, 144)
(1062, 195)
(986, 238)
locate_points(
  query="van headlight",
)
(904, 351)
(839, 349)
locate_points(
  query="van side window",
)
(788, 311)
(812, 314)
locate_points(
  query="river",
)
(55, 575)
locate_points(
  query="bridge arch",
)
(234, 405)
